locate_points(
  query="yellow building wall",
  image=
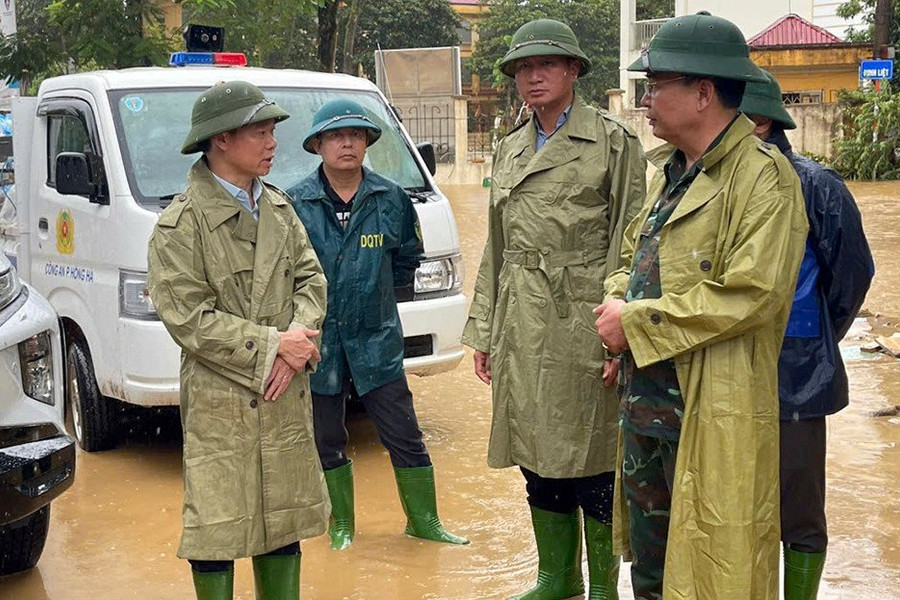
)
(829, 69)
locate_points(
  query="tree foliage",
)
(871, 123)
(393, 24)
(272, 33)
(854, 8)
(594, 22)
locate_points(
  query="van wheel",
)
(22, 541)
(93, 415)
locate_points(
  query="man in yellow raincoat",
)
(700, 313)
(238, 286)
(564, 187)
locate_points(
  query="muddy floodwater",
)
(113, 536)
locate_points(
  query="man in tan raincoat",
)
(238, 286)
(564, 187)
(700, 312)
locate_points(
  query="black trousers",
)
(217, 566)
(391, 409)
(803, 524)
(593, 494)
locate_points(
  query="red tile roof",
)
(793, 30)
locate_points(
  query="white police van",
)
(97, 158)
(37, 459)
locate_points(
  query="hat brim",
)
(766, 106)
(739, 68)
(373, 132)
(227, 122)
(508, 64)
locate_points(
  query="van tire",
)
(93, 416)
(22, 541)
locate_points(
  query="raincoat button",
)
(543, 302)
(254, 403)
(705, 265)
(655, 318)
(287, 272)
(249, 345)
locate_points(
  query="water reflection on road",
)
(114, 534)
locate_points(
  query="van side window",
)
(65, 133)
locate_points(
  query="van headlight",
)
(439, 277)
(10, 286)
(134, 296)
(36, 360)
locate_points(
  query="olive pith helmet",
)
(338, 114)
(701, 45)
(764, 100)
(543, 37)
(226, 106)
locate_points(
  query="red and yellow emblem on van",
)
(65, 232)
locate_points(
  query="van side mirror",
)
(76, 175)
(426, 151)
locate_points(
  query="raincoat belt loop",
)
(529, 259)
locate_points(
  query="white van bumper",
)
(151, 364)
(439, 321)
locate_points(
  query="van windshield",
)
(153, 123)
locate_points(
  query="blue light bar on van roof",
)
(183, 59)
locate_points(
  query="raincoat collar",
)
(778, 138)
(581, 125)
(312, 188)
(218, 205)
(739, 128)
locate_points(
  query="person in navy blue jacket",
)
(366, 234)
(835, 275)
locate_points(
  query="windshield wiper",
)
(420, 194)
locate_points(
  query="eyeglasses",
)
(651, 88)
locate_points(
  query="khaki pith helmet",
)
(764, 100)
(543, 37)
(701, 45)
(226, 106)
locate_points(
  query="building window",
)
(805, 97)
(464, 31)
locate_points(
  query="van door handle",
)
(43, 225)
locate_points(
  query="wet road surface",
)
(113, 536)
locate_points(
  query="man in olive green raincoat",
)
(700, 312)
(564, 187)
(238, 286)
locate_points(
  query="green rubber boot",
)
(214, 586)
(558, 538)
(417, 495)
(603, 566)
(802, 571)
(277, 577)
(340, 489)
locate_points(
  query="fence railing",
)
(431, 122)
(644, 32)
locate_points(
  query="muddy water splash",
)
(113, 535)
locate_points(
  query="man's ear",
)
(706, 93)
(575, 67)
(220, 140)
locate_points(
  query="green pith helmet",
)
(225, 106)
(543, 37)
(701, 45)
(338, 114)
(764, 100)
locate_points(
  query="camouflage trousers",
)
(647, 475)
